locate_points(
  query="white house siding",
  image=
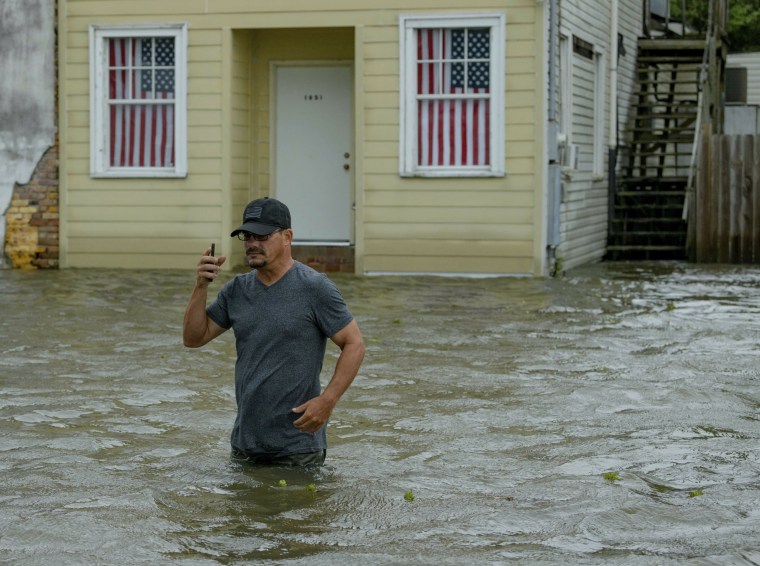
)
(584, 211)
(744, 119)
(750, 61)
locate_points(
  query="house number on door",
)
(312, 97)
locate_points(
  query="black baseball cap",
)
(263, 216)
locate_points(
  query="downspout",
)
(554, 189)
(613, 134)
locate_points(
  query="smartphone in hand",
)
(213, 248)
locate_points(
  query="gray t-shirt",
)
(281, 332)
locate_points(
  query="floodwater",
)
(611, 416)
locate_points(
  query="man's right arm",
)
(197, 328)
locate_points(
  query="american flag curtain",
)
(453, 86)
(141, 102)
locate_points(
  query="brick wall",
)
(31, 221)
(327, 259)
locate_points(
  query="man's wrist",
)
(330, 397)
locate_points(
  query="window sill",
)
(125, 174)
(453, 174)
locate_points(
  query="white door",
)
(313, 151)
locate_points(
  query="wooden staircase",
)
(646, 213)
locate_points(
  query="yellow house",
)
(406, 136)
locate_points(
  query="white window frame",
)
(600, 94)
(408, 158)
(99, 124)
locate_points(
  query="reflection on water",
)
(500, 403)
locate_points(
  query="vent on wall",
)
(736, 85)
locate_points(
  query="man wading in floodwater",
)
(282, 313)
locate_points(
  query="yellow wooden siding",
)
(492, 223)
(463, 218)
(240, 145)
(140, 257)
(451, 198)
(137, 214)
(406, 233)
(157, 198)
(496, 264)
(450, 248)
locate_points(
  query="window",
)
(582, 106)
(568, 150)
(138, 101)
(452, 95)
(736, 85)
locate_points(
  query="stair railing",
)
(709, 115)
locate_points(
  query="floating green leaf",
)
(409, 496)
(611, 476)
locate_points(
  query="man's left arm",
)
(315, 412)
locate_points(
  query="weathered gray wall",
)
(27, 92)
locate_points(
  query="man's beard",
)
(256, 260)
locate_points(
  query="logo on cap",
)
(254, 213)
